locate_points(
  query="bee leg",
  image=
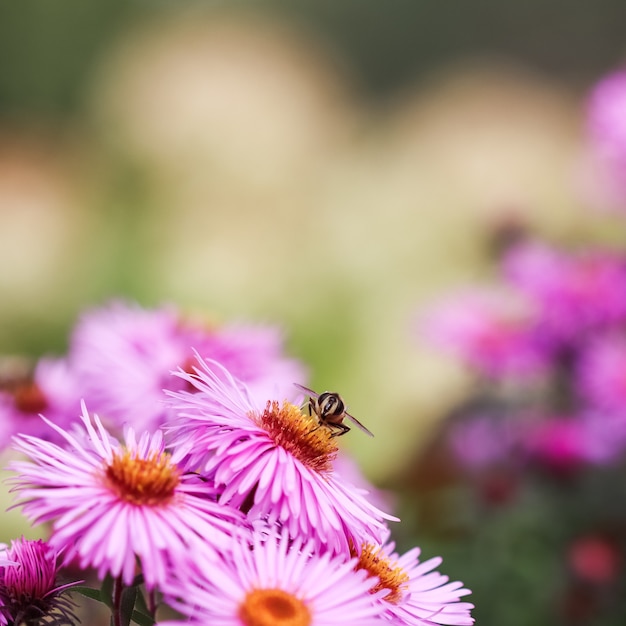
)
(312, 430)
(343, 428)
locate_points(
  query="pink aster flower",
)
(606, 134)
(346, 468)
(576, 292)
(30, 592)
(50, 389)
(275, 582)
(113, 503)
(601, 372)
(273, 459)
(490, 330)
(568, 442)
(123, 356)
(415, 594)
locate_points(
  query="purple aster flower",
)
(415, 594)
(123, 357)
(30, 592)
(50, 389)
(480, 441)
(601, 372)
(274, 460)
(277, 582)
(576, 293)
(606, 133)
(113, 503)
(490, 330)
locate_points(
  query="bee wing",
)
(308, 391)
(356, 422)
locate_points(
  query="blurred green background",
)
(328, 166)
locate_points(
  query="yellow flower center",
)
(390, 576)
(148, 482)
(299, 434)
(273, 607)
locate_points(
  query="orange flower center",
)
(390, 576)
(148, 482)
(299, 434)
(273, 607)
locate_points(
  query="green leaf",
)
(143, 619)
(88, 592)
(127, 604)
(106, 591)
(141, 603)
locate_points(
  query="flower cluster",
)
(528, 468)
(185, 462)
(559, 338)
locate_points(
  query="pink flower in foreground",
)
(606, 133)
(277, 583)
(416, 595)
(123, 356)
(490, 330)
(273, 460)
(113, 503)
(30, 592)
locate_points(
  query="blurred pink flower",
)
(595, 558)
(569, 442)
(51, 390)
(123, 357)
(490, 330)
(573, 292)
(606, 134)
(601, 372)
(482, 441)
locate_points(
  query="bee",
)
(331, 411)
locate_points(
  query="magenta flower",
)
(111, 504)
(569, 442)
(601, 372)
(49, 389)
(273, 460)
(490, 330)
(575, 293)
(415, 595)
(606, 132)
(30, 592)
(277, 582)
(123, 357)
